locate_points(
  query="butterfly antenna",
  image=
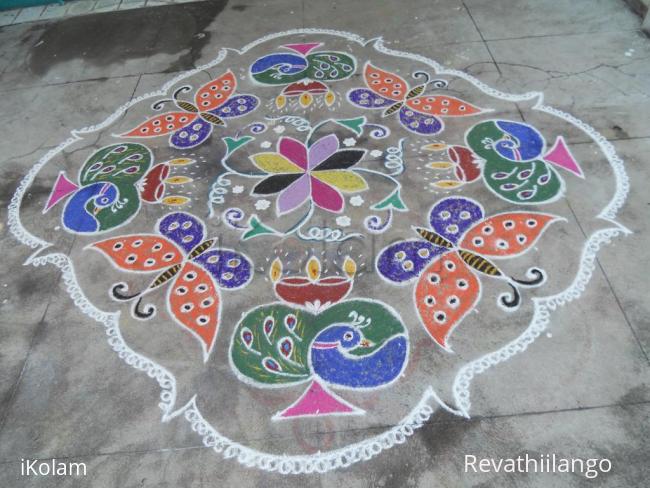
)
(143, 313)
(422, 74)
(182, 89)
(512, 300)
(438, 83)
(535, 277)
(117, 292)
(160, 103)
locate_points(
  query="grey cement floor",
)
(583, 391)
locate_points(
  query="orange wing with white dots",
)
(162, 124)
(445, 293)
(194, 302)
(442, 105)
(142, 253)
(215, 92)
(385, 84)
(506, 235)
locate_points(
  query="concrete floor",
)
(581, 390)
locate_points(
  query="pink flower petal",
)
(322, 149)
(294, 195)
(325, 196)
(294, 151)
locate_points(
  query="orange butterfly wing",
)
(385, 84)
(161, 124)
(215, 93)
(445, 293)
(442, 106)
(140, 253)
(507, 234)
(194, 302)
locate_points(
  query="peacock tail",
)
(271, 345)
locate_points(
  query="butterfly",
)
(180, 253)
(451, 256)
(192, 125)
(417, 113)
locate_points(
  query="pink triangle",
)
(316, 400)
(560, 155)
(304, 47)
(62, 188)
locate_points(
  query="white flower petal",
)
(356, 201)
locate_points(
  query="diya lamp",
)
(312, 291)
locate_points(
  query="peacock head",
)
(106, 197)
(341, 336)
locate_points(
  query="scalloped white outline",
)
(366, 449)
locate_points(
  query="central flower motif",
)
(318, 171)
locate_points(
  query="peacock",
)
(354, 344)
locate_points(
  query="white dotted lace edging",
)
(363, 450)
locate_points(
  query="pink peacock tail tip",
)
(317, 400)
(559, 155)
(303, 47)
(61, 189)
(312, 290)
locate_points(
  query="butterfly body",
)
(417, 113)
(454, 253)
(183, 257)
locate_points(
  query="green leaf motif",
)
(256, 228)
(393, 201)
(233, 144)
(355, 125)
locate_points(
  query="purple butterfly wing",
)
(451, 217)
(182, 228)
(237, 106)
(418, 122)
(229, 268)
(405, 260)
(191, 135)
(364, 98)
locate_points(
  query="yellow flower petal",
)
(274, 163)
(346, 181)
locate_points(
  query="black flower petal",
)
(275, 183)
(341, 159)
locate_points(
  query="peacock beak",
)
(366, 343)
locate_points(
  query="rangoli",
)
(318, 233)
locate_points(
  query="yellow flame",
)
(305, 100)
(436, 146)
(175, 200)
(181, 161)
(350, 267)
(178, 180)
(313, 268)
(276, 270)
(280, 101)
(329, 98)
(446, 184)
(440, 165)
